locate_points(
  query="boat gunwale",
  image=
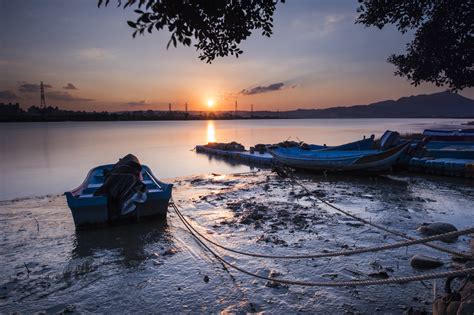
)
(76, 192)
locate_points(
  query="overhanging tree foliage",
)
(218, 26)
(442, 51)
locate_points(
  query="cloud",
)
(70, 86)
(315, 25)
(263, 89)
(32, 88)
(65, 97)
(139, 103)
(29, 88)
(331, 21)
(93, 53)
(8, 95)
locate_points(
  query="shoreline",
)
(236, 119)
(251, 211)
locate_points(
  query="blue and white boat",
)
(449, 149)
(449, 135)
(265, 158)
(89, 210)
(444, 152)
(340, 158)
(363, 144)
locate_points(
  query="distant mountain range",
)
(444, 104)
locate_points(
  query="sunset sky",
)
(88, 60)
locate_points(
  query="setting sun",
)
(210, 102)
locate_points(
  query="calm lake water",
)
(50, 158)
(46, 265)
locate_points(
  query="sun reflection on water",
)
(211, 131)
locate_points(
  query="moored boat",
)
(259, 154)
(243, 156)
(443, 166)
(448, 149)
(337, 159)
(449, 135)
(444, 152)
(90, 207)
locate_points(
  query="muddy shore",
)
(156, 267)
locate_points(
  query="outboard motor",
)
(389, 140)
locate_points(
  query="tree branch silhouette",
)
(216, 26)
(442, 51)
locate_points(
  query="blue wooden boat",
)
(450, 135)
(266, 158)
(443, 152)
(89, 210)
(449, 149)
(445, 144)
(337, 159)
(363, 144)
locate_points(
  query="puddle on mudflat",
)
(148, 267)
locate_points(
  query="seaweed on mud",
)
(265, 238)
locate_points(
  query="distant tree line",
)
(14, 113)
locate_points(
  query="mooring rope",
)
(375, 225)
(398, 280)
(325, 253)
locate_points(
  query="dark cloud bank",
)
(263, 89)
(32, 88)
(139, 103)
(70, 86)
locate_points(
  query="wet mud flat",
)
(159, 267)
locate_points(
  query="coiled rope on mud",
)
(398, 280)
(325, 253)
(375, 225)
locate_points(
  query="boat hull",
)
(89, 211)
(330, 160)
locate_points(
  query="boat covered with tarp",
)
(122, 192)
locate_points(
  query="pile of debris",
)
(231, 146)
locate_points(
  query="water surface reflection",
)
(128, 241)
(211, 131)
(50, 158)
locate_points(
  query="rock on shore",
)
(419, 261)
(438, 228)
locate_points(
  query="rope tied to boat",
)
(396, 280)
(326, 253)
(287, 174)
